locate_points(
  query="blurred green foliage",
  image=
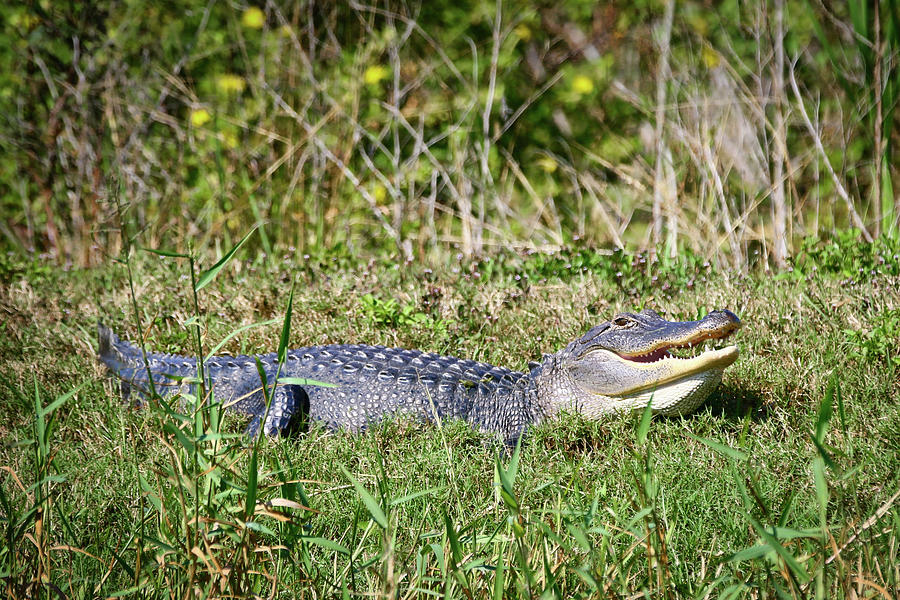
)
(380, 125)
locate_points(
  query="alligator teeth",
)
(650, 357)
(683, 352)
(689, 350)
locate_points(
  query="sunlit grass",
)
(783, 484)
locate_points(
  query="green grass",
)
(795, 457)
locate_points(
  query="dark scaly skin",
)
(622, 364)
(373, 382)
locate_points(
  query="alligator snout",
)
(720, 323)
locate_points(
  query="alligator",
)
(621, 365)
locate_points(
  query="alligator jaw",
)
(668, 369)
(655, 368)
(625, 364)
(671, 385)
(689, 337)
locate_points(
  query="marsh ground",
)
(785, 480)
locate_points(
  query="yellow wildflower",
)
(231, 83)
(546, 164)
(24, 22)
(582, 84)
(230, 140)
(710, 57)
(253, 18)
(380, 193)
(200, 117)
(523, 32)
(375, 74)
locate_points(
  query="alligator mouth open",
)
(672, 367)
(636, 358)
(688, 349)
(675, 383)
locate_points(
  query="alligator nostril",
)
(732, 316)
(724, 314)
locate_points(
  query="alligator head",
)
(626, 363)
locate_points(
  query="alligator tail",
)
(126, 362)
(109, 352)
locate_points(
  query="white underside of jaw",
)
(675, 386)
(677, 397)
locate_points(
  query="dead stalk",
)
(780, 245)
(345, 170)
(876, 129)
(817, 140)
(662, 197)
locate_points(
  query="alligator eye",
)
(623, 321)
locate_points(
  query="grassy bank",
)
(785, 483)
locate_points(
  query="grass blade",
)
(818, 469)
(39, 424)
(499, 579)
(644, 425)
(286, 327)
(513, 468)
(327, 544)
(773, 543)
(859, 18)
(826, 456)
(231, 335)
(414, 495)
(753, 552)
(60, 400)
(166, 253)
(825, 412)
(305, 381)
(368, 500)
(252, 483)
(888, 218)
(259, 528)
(721, 448)
(210, 274)
(840, 403)
(770, 540)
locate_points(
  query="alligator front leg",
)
(289, 407)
